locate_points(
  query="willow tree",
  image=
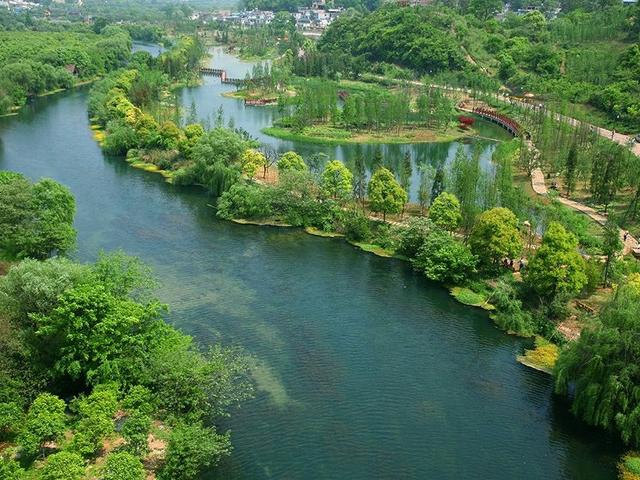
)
(602, 369)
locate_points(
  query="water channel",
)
(364, 370)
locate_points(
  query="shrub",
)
(192, 448)
(444, 259)
(10, 469)
(139, 399)
(245, 200)
(122, 466)
(120, 138)
(509, 314)
(45, 422)
(10, 418)
(593, 271)
(135, 431)
(413, 236)
(63, 466)
(356, 227)
(386, 236)
(632, 464)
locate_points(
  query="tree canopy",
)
(557, 267)
(385, 193)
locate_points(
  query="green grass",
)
(321, 233)
(321, 134)
(542, 357)
(373, 248)
(469, 297)
(632, 464)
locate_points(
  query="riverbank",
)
(326, 135)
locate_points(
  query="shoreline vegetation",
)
(117, 392)
(470, 230)
(337, 136)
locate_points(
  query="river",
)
(364, 370)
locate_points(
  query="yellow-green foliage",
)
(373, 248)
(543, 357)
(469, 297)
(629, 467)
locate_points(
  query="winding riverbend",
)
(364, 369)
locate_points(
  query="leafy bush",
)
(191, 448)
(10, 418)
(386, 236)
(445, 259)
(135, 432)
(33, 286)
(245, 200)
(356, 227)
(122, 466)
(96, 421)
(63, 466)
(120, 138)
(139, 400)
(509, 314)
(593, 271)
(632, 464)
(10, 469)
(413, 236)
(45, 422)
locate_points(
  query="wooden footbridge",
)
(218, 72)
(505, 122)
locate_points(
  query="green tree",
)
(252, 160)
(37, 220)
(570, 168)
(427, 174)
(122, 466)
(444, 259)
(484, 9)
(96, 421)
(495, 236)
(106, 341)
(438, 183)
(63, 466)
(600, 369)
(385, 193)
(291, 161)
(445, 211)
(611, 246)
(11, 470)
(33, 287)
(336, 181)
(135, 432)
(556, 268)
(10, 418)
(191, 448)
(360, 177)
(413, 236)
(45, 422)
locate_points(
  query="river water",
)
(364, 370)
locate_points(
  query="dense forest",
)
(586, 58)
(32, 63)
(64, 385)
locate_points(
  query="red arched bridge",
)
(505, 122)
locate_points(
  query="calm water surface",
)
(364, 370)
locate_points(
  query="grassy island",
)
(322, 134)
